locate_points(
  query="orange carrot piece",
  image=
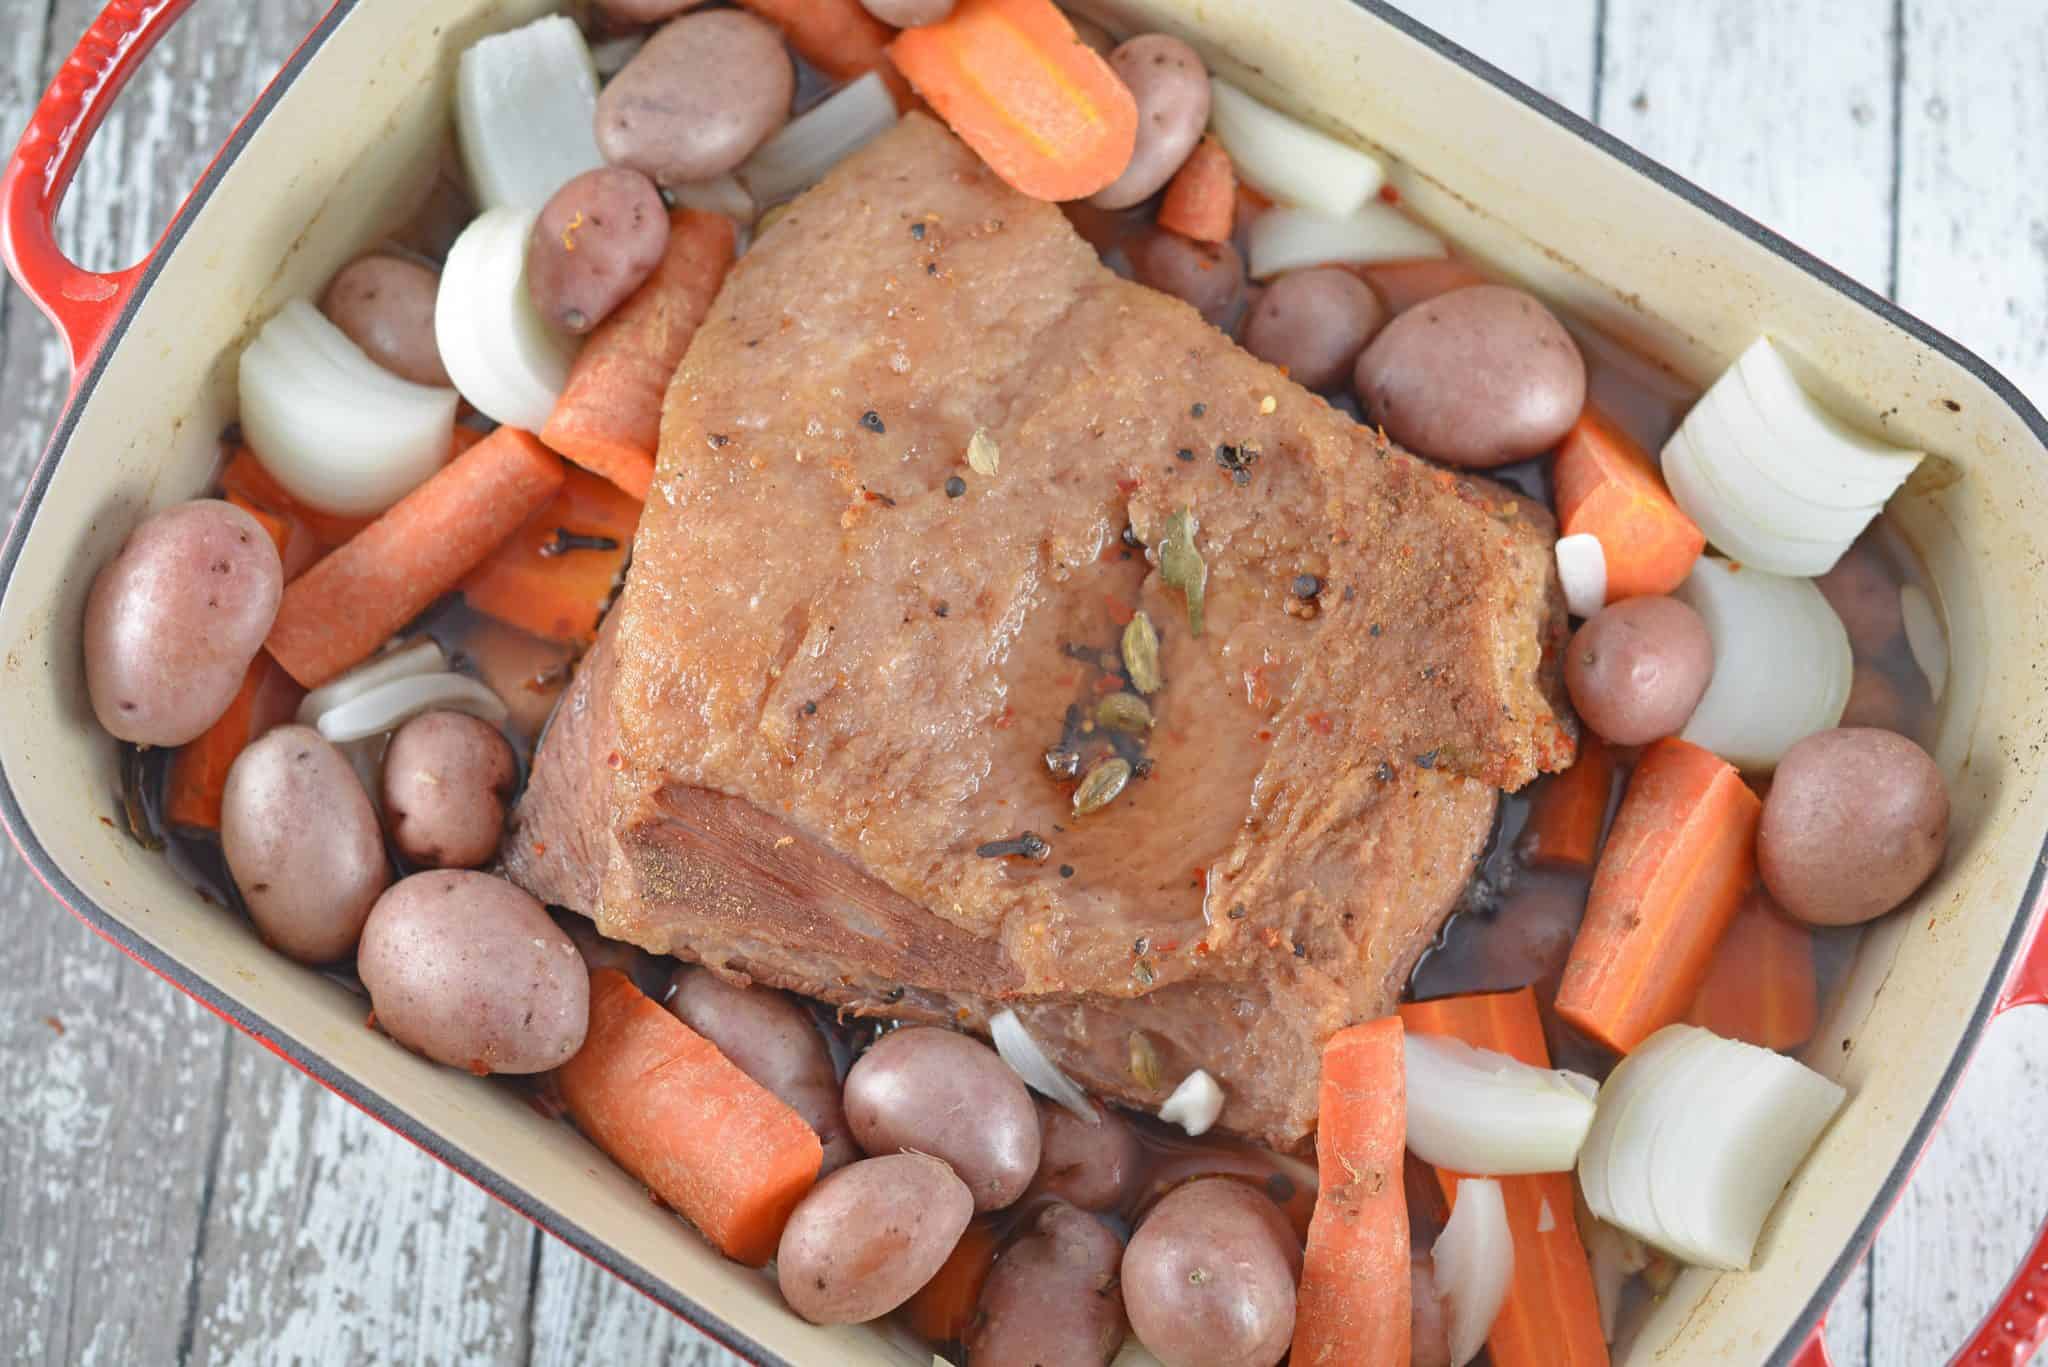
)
(1678, 863)
(1552, 1313)
(1609, 487)
(1042, 108)
(541, 580)
(337, 613)
(1401, 285)
(1201, 199)
(246, 479)
(709, 1141)
(943, 1308)
(839, 37)
(608, 419)
(1353, 1305)
(1761, 986)
(198, 775)
(1569, 810)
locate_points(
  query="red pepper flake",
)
(1264, 733)
(1005, 718)
(540, 847)
(1120, 612)
(1127, 487)
(1109, 683)
(1167, 948)
(1389, 195)
(54, 1024)
(1322, 723)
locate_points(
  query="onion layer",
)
(1286, 160)
(1582, 573)
(1782, 663)
(1283, 239)
(389, 705)
(1696, 1135)
(500, 352)
(819, 139)
(1473, 1110)
(341, 433)
(1474, 1261)
(1775, 480)
(1195, 1104)
(526, 113)
(1029, 1062)
(423, 656)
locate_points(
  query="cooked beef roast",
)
(918, 471)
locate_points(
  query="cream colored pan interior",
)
(342, 155)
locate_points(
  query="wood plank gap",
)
(188, 1324)
(532, 1323)
(1594, 103)
(1891, 279)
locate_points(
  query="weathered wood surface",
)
(171, 1192)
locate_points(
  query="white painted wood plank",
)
(330, 1239)
(581, 1313)
(1549, 46)
(1973, 260)
(1784, 110)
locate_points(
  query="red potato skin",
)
(1208, 276)
(302, 844)
(932, 1091)
(1171, 86)
(1208, 1280)
(1638, 669)
(1477, 377)
(1313, 324)
(773, 1040)
(1095, 1167)
(698, 99)
(1052, 1296)
(863, 1240)
(469, 971)
(173, 620)
(597, 239)
(385, 305)
(1856, 820)
(446, 778)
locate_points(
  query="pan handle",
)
(82, 304)
(2018, 1323)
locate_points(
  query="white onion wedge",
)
(1473, 1110)
(1696, 1137)
(819, 139)
(526, 113)
(500, 352)
(1135, 1354)
(1925, 638)
(340, 433)
(1782, 663)
(423, 656)
(1473, 1261)
(1288, 161)
(390, 705)
(1195, 1104)
(1775, 480)
(1283, 239)
(725, 195)
(1582, 573)
(1040, 1074)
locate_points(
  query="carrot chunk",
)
(337, 613)
(1678, 863)
(1401, 285)
(1201, 199)
(711, 1142)
(1551, 1314)
(1354, 1302)
(1042, 108)
(839, 37)
(554, 575)
(1609, 487)
(608, 419)
(1569, 810)
(1761, 987)
(943, 1308)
